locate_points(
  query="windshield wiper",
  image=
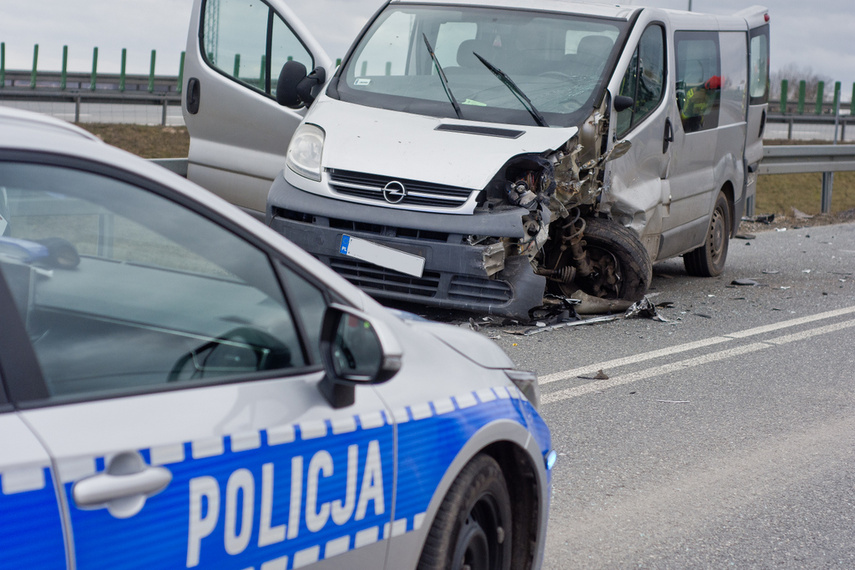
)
(443, 78)
(518, 93)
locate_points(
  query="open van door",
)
(758, 97)
(238, 132)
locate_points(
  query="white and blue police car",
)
(184, 388)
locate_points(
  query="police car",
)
(184, 388)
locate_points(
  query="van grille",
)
(479, 290)
(373, 278)
(370, 187)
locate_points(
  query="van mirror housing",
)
(622, 103)
(295, 88)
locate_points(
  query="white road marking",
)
(620, 380)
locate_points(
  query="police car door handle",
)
(99, 490)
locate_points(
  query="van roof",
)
(585, 8)
(753, 14)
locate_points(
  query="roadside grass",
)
(776, 194)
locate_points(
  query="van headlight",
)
(305, 151)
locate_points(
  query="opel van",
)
(486, 155)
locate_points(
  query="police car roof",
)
(30, 133)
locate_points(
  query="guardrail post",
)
(820, 96)
(94, 78)
(181, 73)
(151, 72)
(64, 76)
(802, 95)
(35, 66)
(785, 86)
(122, 72)
(163, 113)
(77, 109)
(827, 186)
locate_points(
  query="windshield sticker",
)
(362, 82)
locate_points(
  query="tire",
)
(474, 523)
(708, 260)
(624, 266)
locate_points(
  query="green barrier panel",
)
(35, 66)
(122, 72)
(64, 76)
(94, 78)
(151, 72)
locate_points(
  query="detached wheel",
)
(473, 527)
(708, 260)
(623, 269)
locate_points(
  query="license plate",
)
(382, 255)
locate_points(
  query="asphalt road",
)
(722, 438)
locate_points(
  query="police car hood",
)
(401, 145)
(479, 349)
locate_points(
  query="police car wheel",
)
(473, 526)
(708, 260)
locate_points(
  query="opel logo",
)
(394, 192)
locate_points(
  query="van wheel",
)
(473, 526)
(708, 260)
(622, 267)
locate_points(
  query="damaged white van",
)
(487, 154)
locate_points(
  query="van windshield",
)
(558, 61)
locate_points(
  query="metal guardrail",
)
(796, 159)
(78, 88)
(827, 120)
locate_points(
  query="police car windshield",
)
(558, 61)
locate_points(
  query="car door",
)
(758, 103)
(639, 178)
(238, 132)
(170, 368)
(31, 532)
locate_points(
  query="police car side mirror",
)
(295, 88)
(355, 350)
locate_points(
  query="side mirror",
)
(622, 103)
(295, 88)
(355, 350)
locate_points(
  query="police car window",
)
(123, 290)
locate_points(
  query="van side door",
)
(758, 103)
(638, 185)
(238, 132)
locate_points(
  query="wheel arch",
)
(729, 193)
(518, 455)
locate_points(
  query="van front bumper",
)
(454, 273)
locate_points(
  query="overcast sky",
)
(815, 36)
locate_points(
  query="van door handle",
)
(194, 88)
(669, 135)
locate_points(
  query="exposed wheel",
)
(473, 527)
(621, 267)
(708, 260)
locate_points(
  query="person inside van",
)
(698, 103)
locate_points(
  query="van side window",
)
(759, 70)
(644, 79)
(698, 79)
(734, 77)
(247, 41)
